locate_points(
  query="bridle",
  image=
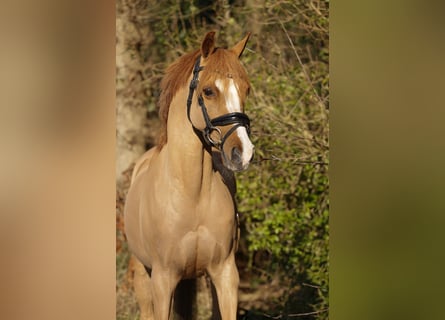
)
(237, 119)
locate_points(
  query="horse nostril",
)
(236, 156)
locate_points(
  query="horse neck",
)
(190, 165)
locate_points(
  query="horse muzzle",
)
(238, 155)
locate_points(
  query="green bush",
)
(283, 197)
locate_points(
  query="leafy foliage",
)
(284, 195)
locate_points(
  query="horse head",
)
(215, 106)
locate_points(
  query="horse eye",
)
(208, 91)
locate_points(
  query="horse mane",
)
(220, 62)
(175, 77)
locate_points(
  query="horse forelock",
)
(224, 64)
(220, 64)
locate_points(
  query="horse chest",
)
(203, 238)
(183, 231)
(196, 251)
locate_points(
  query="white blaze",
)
(233, 105)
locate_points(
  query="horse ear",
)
(208, 44)
(239, 47)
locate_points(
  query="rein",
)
(237, 119)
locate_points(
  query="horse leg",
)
(142, 289)
(163, 283)
(225, 278)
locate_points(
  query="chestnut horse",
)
(180, 214)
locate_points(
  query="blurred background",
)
(283, 196)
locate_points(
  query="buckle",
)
(208, 135)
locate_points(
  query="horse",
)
(180, 215)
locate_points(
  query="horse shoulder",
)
(143, 163)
